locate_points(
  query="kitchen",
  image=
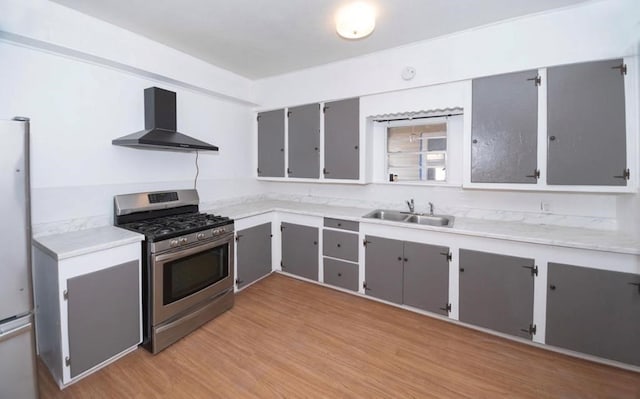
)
(83, 91)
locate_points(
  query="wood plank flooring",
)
(289, 339)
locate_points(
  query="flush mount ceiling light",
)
(355, 20)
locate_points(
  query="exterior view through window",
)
(417, 153)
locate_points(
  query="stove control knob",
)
(173, 243)
(183, 241)
(200, 236)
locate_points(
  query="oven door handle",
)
(193, 250)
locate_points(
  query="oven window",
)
(191, 274)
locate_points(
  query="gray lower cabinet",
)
(504, 128)
(341, 139)
(300, 250)
(341, 274)
(586, 128)
(594, 311)
(254, 253)
(271, 143)
(384, 268)
(496, 292)
(103, 315)
(426, 277)
(408, 273)
(338, 244)
(304, 141)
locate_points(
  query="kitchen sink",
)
(411, 218)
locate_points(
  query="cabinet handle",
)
(461, 269)
(552, 287)
(406, 260)
(355, 148)
(338, 245)
(475, 141)
(315, 243)
(400, 258)
(637, 285)
(552, 138)
(282, 150)
(339, 274)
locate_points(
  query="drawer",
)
(341, 274)
(338, 244)
(341, 224)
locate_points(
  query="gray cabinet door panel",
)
(383, 268)
(103, 315)
(586, 129)
(504, 128)
(426, 277)
(254, 253)
(496, 292)
(304, 141)
(340, 244)
(341, 274)
(300, 250)
(271, 143)
(341, 224)
(341, 139)
(594, 311)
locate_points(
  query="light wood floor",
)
(290, 339)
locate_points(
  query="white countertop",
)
(76, 243)
(572, 237)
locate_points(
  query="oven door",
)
(185, 277)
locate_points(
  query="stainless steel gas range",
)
(187, 262)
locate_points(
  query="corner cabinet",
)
(88, 302)
(314, 142)
(253, 259)
(271, 143)
(560, 128)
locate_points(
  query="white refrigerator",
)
(18, 378)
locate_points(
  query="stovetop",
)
(162, 228)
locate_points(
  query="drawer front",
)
(341, 224)
(338, 244)
(341, 274)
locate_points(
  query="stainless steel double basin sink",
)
(411, 218)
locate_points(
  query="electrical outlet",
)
(545, 206)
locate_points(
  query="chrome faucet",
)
(411, 205)
(431, 208)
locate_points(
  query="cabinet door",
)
(341, 139)
(496, 292)
(271, 143)
(586, 128)
(383, 268)
(341, 274)
(103, 314)
(304, 141)
(300, 250)
(254, 253)
(504, 128)
(594, 311)
(426, 277)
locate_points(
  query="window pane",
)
(417, 153)
(439, 144)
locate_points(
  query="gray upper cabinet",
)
(341, 139)
(426, 277)
(300, 250)
(254, 254)
(104, 315)
(384, 268)
(496, 292)
(594, 311)
(504, 128)
(304, 141)
(271, 143)
(586, 129)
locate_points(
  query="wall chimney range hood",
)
(160, 126)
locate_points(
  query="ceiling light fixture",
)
(355, 20)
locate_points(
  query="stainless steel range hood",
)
(160, 126)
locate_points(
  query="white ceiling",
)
(261, 38)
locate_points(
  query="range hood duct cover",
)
(160, 126)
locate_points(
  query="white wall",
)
(77, 108)
(591, 31)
